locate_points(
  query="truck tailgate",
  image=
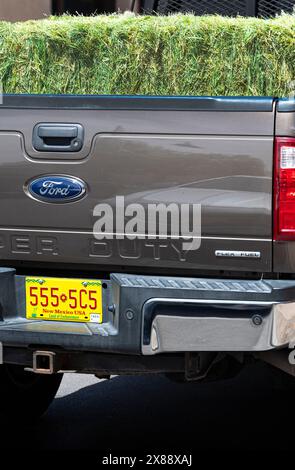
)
(213, 152)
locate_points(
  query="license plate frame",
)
(64, 299)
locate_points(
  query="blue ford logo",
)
(56, 189)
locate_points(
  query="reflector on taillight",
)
(284, 189)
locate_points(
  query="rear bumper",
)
(148, 315)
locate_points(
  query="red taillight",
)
(284, 189)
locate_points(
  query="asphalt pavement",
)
(147, 413)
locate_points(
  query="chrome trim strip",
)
(210, 301)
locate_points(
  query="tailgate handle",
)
(49, 137)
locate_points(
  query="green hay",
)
(126, 54)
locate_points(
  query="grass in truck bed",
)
(126, 54)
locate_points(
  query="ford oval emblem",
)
(56, 189)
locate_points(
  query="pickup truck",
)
(72, 301)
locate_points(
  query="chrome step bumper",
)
(213, 315)
(242, 326)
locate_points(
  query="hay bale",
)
(174, 55)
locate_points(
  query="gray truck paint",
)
(218, 153)
(139, 102)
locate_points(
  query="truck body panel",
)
(213, 152)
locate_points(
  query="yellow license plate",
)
(70, 300)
